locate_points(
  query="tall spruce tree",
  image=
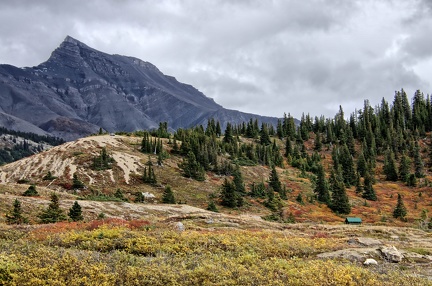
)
(168, 196)
(390, 170)
(361, 164)
(238, 180)
(75, 212)
(274, 182)
(318, 142)
(76, 182)
(339, 198)
(53, 213)
(404, 168)
(15, 216)
(191, 168)
(347, 163)
(264, 135)
(228, 196)
(368, 190)
(228, 136)
(400, 210)
(418, 162)
(322, 188)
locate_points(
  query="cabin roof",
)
(353, 220)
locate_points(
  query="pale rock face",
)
(391, 254)
(79, 89)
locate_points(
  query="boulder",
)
(351, 254)
(367, 241)
(390, 253)
(179, 226)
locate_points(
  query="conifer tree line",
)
(388, 132)
(23, 149)
(51, 214)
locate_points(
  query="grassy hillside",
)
(126, 175)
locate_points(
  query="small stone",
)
(370, 261)
(179, 226)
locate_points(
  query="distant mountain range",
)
(79, 90)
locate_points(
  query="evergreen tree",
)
(412, 180)
(238, 180)
(361, 164)
(390, 167)
(31, 192)
(404, 168)
(283, 193)
(289, 148)
(75, 212)
(359, 187)
(218, 129)
(347, 163)
(192, 169)
(318, 143)
(299, 199)
(212, 207)
(273, 201)
(76, 183)
(400, 210)
(258, 190)
(418, 162)
(49, 176)
(146, 144)
(149, 176)
(322, 188)
(368, 190)
(168, 196)
(274, 182)
(228, 195)
(228, 136)
(339, 202)
(15, 216)
(264, 135)
(103, 161)
(119, 194)
(52, 213)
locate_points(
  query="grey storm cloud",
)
(264, 57)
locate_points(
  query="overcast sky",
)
(265, 57)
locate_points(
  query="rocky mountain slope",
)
(79, 90)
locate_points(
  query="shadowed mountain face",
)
(79, 89)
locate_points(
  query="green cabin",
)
(353, 220)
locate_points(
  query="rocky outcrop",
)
(79, 90)
(391, 254)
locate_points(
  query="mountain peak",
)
(69, 39)
(72, 41)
